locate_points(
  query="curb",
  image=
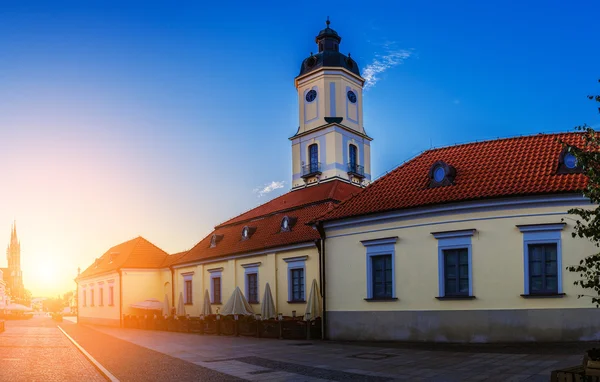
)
(107, 374)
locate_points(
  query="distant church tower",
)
(331, 142)
(14, 278)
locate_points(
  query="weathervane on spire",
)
(327, 22)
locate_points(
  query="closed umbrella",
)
(313, 305)
(237, 304)
(166, 308)
(267, 308)
(180, 305)
(206, 307)
(150, 304)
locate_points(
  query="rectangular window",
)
(216, 284)
(382, 276)
(455, 268)
(188, 292)
(456, 272)
(101, 295)
(92, 297)
(111, 296)
(543, 269)
(313, 157)
(84, 298)
(542, 259)
(297, 284)
(252, 280)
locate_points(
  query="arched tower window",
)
(313, 152)
(353, 157)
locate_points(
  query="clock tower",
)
(331, 142)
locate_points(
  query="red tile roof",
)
(135, 253)
(491, 169)
(304, 204)
(172, 259)
(333, 190)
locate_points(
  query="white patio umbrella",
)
(18, 308)
(166, 308)
(313, 305)
(237, 304)
(206, 307)
(267, 308)
(180, 305)
(149, 304)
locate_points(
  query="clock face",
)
(311, 95)
(351, 96)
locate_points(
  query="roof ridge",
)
(300, 206)
(499, 139)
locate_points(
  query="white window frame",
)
(214, 273)
(250, 269)
(460, 239)
(188, 276)
(542, 234)
(379, 247)
(298, 262)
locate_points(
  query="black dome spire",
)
(328, 39)
(329, 54)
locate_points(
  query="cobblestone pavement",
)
(130, 362)
(35, 350)
(267, 359)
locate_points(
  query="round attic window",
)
(245, 233)
(439, 174)
(570, 161)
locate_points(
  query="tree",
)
(588, 219)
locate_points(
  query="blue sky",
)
(163, 119)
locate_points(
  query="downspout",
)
(321, 248)
(172, 287)
(120, 298)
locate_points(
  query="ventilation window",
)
(441, 174)
(247, 232)
(215, 239)
(287, 223)
(567, 163)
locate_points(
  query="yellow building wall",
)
(497, 262)
(272, 269)
(105, 314)
(140, 285)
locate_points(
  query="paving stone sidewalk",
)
(130, 362)
(267, 359)
(35, 350)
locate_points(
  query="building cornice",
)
(329, 70)
(461, 207)
(249, 254)
(330, 125)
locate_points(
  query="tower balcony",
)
(356, 170)
(311, 169)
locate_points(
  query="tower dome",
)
(328, 42)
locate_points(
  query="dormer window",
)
(567, 163)
(247, 232)
(112, 256)
(441, 174)
(215, 239)
(287, 223)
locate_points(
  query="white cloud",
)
(383, 62)
(269, 187)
